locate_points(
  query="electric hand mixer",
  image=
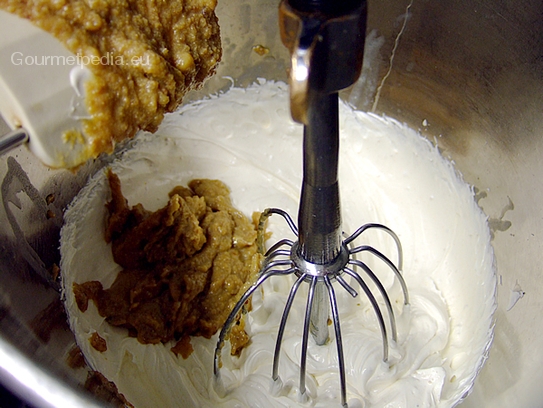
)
(326, 41)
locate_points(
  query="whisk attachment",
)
(326, 41)
(284, 259)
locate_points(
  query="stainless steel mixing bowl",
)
(468, 75)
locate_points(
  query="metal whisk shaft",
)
(319, 216)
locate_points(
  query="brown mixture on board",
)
(145, 56)
(185, 266)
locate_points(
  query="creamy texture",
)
(388, 174)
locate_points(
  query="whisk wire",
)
(346, 286)
(376, 308)
(281, 331)
(387, 261)
(305, 336)
(339, 341)
(381, 289)
(265, 274)
(381, 227)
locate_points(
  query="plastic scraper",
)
(41, 94)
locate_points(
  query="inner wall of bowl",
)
(470, 78)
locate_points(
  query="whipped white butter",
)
(388, 174)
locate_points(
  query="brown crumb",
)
(261, 50)
(238, 337)
(105, 390)
(183, 347)
(54, 272)
(53, 317)
(83, 293)
(75, 358)
(98, 342)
